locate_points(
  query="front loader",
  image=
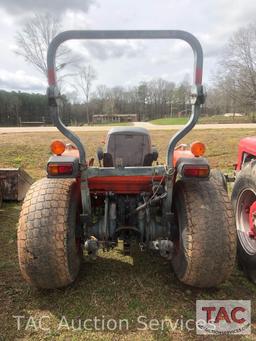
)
(177, 209)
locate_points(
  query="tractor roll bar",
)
(53, 92)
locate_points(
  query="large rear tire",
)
(244, 200)
(48, 244)
(219, 177)
(205, 247)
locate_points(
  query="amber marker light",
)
(197, 148)
(58, 147)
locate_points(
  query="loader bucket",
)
(14, 183)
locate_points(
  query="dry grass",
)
(113, 286)
(31, 151)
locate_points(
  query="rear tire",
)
(219, 177)
(48, 248)
(244, 193)
(205, 249)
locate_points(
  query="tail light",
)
(58, 169)
(201, 171)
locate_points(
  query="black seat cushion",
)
(107, 160)
(148, 160)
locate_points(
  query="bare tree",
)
(34, 39)
(101, 91)
(85, 78)
(142, 95)
(238, 66)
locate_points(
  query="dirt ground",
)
(113, 286)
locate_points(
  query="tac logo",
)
(223, 317)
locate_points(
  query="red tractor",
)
(178, 209)
(244, 203)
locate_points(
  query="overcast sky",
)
(120, 62)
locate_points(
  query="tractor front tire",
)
(48, 249)
(205, 248)
(243, 197)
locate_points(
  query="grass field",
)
(113, 286)
(170, 121)
(203, 120)
(223, 119)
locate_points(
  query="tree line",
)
(149, 100)
(17, 108)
